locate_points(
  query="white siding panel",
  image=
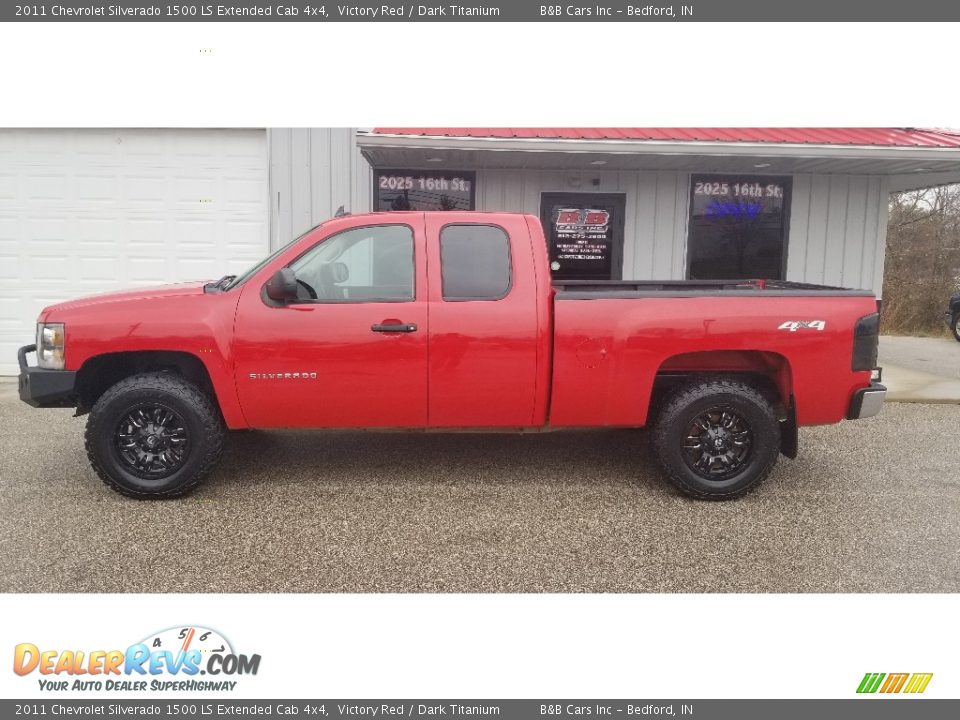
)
(312, 173)
(681, 221)
(644, 235)
(881, 216)
(836, 226)
(342, 148)
(630, 187)
(320, 191)
(837, 230)
(362, 174)
(661, 261)
(854, 234)
(799, 230)
(281, 225)
(875, 218)
(513, 189)
(300, 176)
(532, 184)
(820, 201)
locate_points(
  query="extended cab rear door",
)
(483, 321)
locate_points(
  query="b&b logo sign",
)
(582, 219)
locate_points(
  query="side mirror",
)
(282, 287)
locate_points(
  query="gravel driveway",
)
(869, 506)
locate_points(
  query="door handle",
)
(394, 327)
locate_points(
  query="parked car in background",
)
(953, 315)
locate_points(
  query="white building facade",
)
(92, 210)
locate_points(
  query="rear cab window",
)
(475, 262)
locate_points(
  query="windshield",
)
(242, 277)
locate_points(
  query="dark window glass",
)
(475, 262)
(737, 227)
(423, 190)
(365, 264)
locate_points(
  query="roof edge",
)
(663, 147)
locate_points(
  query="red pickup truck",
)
(445, 321)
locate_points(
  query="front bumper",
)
(867, 401)
(45, 388)
(948, 318)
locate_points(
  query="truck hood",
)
(148, 293)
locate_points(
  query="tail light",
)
(866, 337)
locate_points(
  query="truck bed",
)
(608, 352)
(625, 289)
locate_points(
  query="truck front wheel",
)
(717, 438)
(154, 435)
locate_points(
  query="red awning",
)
(885, 137)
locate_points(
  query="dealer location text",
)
(603, 11)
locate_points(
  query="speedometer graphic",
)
(185, 638)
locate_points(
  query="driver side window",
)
(368, 264)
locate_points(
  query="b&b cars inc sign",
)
(581, 243)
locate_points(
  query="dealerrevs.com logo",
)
(178, 659)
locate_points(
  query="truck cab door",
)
(483, 321)
(351, 351)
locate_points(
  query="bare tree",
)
(923, 260)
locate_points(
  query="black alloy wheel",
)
(154, 435)
(152, 441)
(717, 443)
(716, 438)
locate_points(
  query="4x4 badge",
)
(794, 325)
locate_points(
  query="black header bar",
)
(505, 11)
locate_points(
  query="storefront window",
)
(738, 227)
(422, 190)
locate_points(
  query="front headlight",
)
(50, 346)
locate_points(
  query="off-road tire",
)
(200, 417)
(689, 402)
(955, 326)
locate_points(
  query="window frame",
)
(509, 287)
(466, 174)
(785, 180)
(366, 301)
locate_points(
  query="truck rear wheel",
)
(154, 435)
(716, 439)
(956, 326)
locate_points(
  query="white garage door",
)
(88, 211)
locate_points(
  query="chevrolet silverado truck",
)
(448, 321)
